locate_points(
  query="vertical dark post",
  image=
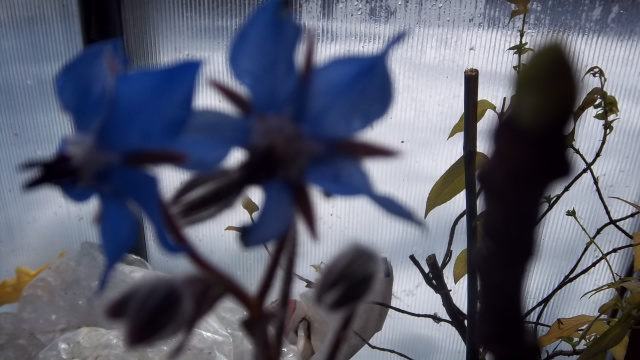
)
(469, 154)
(102, 20)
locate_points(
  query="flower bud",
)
(347, 279)
(161, 307)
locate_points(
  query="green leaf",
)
(524, 51)
(483, 106)
(518, 46)
(589, 100)
(595, 71)
(249, 206)
(451, 183)
(635, 206)
(522, 7)
(611, 104)
(233, 228)
(318, 268)
(601, 116)
(612, 304)
(609, 339)
(460, 266)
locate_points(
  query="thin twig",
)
(537, 323)
(577, 177)
(575, 265)
(424, 274)
(381, 348)
(456, 315)
(436, 319)
(572, 352)
(571, 279)
(452, 233)
(596, 183)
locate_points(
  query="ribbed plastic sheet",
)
(37, 37)
(443, 39)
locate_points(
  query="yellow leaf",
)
(11, 288)
(636, 252)
(564, 327)
(249, 206)
(451, 183)
(598, 328)
(619, 351)
(522, 7)
(460, 266)
(233, 228)
(317, 268)
(483, 106)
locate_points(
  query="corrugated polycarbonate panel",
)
(443, 38)
(37, 37)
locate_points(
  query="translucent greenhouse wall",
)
(443, 38)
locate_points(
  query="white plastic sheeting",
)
(444, 38)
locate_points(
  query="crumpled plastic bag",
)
(61, 316)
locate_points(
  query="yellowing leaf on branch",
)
(636, 251)
(460, 266)
(522, 7)
(619, 351)
(250, 206)
(483, 106)
(451, 183)
(564, 327)
(233, 228)
(598, 328)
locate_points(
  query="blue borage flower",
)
(296, 127)
(123, 120)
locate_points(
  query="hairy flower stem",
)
(285, 290)
(225, 280)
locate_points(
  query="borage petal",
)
(208, 138)
(276, 215)
(150, 108)
(262, 56)
(347, 95)
(85, 85)
(339, 175)
(77, 193)
(119, 229)
(142, 189)
(392, 207)
(343, 175)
